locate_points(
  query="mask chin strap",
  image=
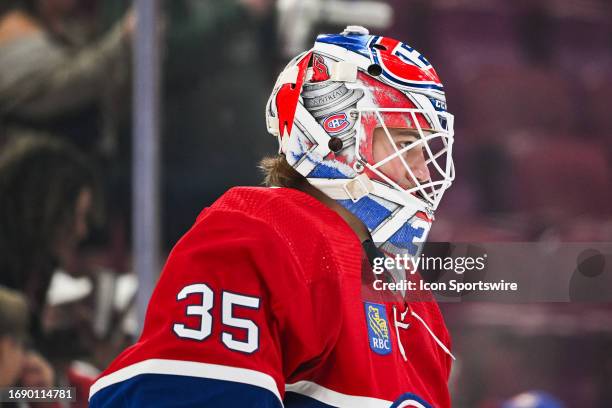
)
(361, 186)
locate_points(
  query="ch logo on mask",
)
(403, 65)
(336, 123)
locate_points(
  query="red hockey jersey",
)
(261, 304)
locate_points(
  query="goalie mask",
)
(364, 119)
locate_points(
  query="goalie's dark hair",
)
(279, 173)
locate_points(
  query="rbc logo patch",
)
(336, 123)
(378, 328)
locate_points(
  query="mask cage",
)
(436, 143)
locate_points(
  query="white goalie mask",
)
(364, 119)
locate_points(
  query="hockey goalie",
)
(267, 300)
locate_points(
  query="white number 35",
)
(229, 301)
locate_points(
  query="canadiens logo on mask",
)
(336, 123)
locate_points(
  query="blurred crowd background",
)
(528, 81)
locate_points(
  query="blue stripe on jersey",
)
(408, 397)
(158, 390)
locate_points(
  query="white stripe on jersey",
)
(336, 399)
(190, 369)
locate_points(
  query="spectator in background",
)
(18, 366)
(48, 196)
(53, 79)
(13, 332)
(217, 63)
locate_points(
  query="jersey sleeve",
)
(231, 318)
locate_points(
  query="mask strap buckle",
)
(358, 187)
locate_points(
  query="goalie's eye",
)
(405, 143)
(402, 145)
